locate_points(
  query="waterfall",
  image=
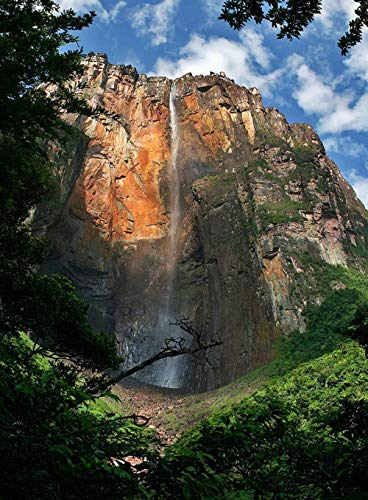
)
(168, 372)
(174, 190)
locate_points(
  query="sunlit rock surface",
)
(218, 240)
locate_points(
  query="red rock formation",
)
(255, 193)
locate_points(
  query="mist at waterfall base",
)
(169, 372)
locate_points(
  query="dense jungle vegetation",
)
(305, 435)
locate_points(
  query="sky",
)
(307, 80)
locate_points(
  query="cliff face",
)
(195, 201)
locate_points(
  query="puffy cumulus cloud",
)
(346, 146)
(357, 62)
(360, 185)
(311, 93)
(240, 60)
(354, 117)
(337, 111)
(155, 20)
(336, 12)
(104, 14)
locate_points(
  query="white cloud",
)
(346, 146)
(212, 8)
(96, 5)
(312, 95)
(254, 41)
(115, 11)
(238, 59)
(336, 12)
(156, 20)
(78, 5)
(337, 111)
(345, 118)
(360, 185)
(357, 62)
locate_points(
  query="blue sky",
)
(307, 79)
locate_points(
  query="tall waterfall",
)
(168, 372)
(174, 190)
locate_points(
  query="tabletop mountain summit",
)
(195, 201)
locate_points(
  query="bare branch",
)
(174, 346)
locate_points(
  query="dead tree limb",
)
(174, 346)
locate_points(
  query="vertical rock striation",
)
(195, 201)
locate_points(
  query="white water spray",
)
(174, 190)
(168, 372)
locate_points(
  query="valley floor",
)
(172, 412)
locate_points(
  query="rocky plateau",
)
(193, 200)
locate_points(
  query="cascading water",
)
(168, 372)
(174, 189)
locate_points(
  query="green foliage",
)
(57, 316)
(340, 316)
(291, 18)
(280, 212)
(56, 440)
(275, 141)
(360, 250)
(304, 437)
(336, 312)
(223, 179)
(31, 35)
(257, 164)
(320, 276)
(304, 158)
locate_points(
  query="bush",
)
(304, 437)
(281, 212)
(55, 440)
(306, 434)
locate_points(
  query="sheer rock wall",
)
(255, 193)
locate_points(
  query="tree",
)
(32, 34)
(57, 432)
(54, 437)
(35, 87)
(291, 17)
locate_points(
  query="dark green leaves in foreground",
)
(291, 17)
(53, 441)
(304, 437)
(56, 440)
(35, 89)
(31, 35)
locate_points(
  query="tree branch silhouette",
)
(174, 346)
